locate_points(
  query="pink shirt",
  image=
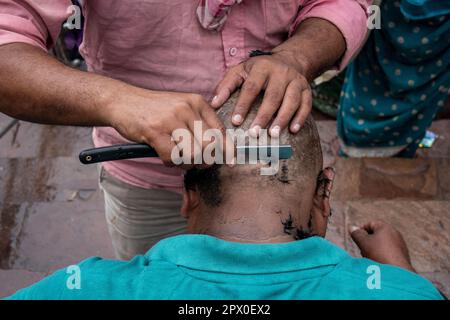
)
(160, 45)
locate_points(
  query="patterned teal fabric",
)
(422, 9)
(400, 80)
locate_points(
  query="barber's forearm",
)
(36, 87)
(316, 46)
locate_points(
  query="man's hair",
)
(206, 182)
(300, 170)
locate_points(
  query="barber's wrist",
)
(114, 98)
(107, 106)
(299, 62)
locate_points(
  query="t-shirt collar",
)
(206, 253)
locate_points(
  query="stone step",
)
(58, 179)
(44, 236)
(393, 178)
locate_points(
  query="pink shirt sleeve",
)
(349, 16)
(36, 22)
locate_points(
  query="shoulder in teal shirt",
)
(204, 267)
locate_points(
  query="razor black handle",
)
(117, 152)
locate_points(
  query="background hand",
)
(381, 242)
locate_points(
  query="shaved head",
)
(297, 174)
(239, 204)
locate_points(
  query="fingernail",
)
(237, 119)
(254, 131)
(296, 127)
(275, 132)
(353, 229)
(214, 100)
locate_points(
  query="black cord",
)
(256, 53)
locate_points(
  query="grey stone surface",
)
(398, 178)
(347, 180)
(58, 234)
(27, 140)
(12, 280)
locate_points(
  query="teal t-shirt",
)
(204, 267)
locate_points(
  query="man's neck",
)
(251, 223)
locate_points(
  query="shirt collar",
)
(206, 253)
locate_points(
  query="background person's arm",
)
(381, 242)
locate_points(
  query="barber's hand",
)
(382, 243)
(287, 93)
(150, 117)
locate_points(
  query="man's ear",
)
(321, 210)
(191, 201)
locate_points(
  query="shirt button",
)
(233, 52)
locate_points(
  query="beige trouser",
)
(138, 218)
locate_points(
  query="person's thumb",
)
(359, 235)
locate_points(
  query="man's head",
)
(238, 203)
